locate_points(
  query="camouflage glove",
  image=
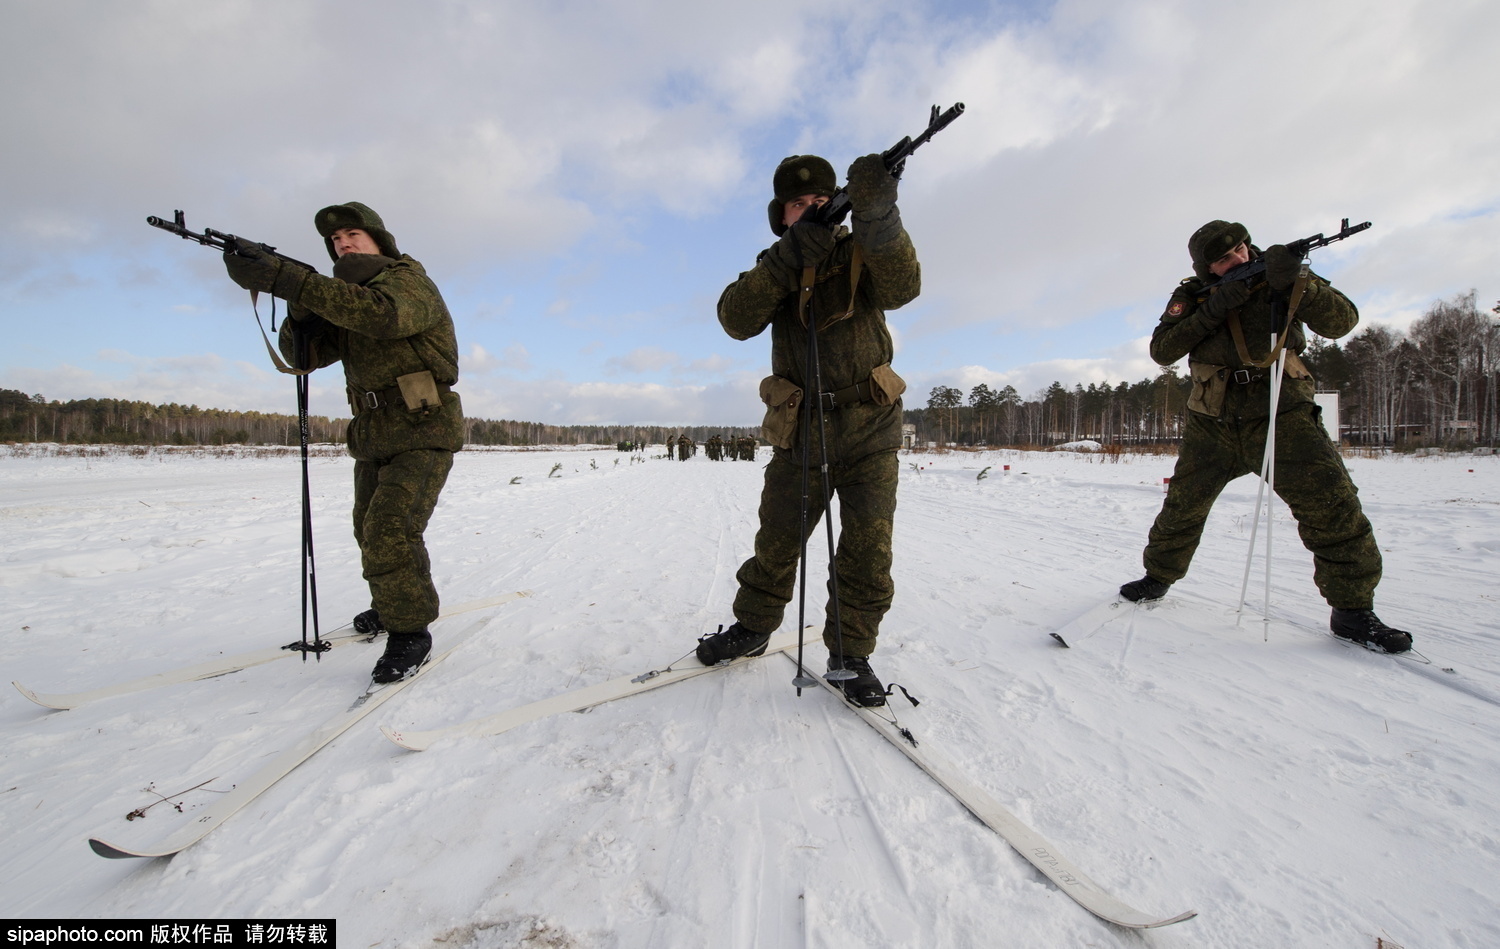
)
(872, 190)
(1224, 299)
(359, 268)
(1282, 267)
(805, 244)
(254, 269)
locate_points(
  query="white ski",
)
(1086, 624)
(226, 664)
(1027, 842)
(586, 697)
(252, 787)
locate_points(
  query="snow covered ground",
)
(1294, 791)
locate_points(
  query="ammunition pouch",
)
(418, 391)
(1296, 368)
(1210, 384)
(783, 398)
(886, 387)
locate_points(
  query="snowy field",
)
(1295, 791)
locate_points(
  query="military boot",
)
(731, 643)
(1365, 628)
(404, 653)
(1146, 588)
(864, 689)
(368, 623)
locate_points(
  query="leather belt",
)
(1244, 376)
(364, 400)
(850, 395)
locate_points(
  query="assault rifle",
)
(1300, 248)
(837, 208)
(230, 244)
(221, 241)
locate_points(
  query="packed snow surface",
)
(1293, 790)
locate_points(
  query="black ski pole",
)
(802, 679)
(812, 377)
(839, 674)
(309, 565)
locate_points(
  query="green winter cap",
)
(1212, 241)
(795, 176)
(336, 217)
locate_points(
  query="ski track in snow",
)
(1295, 791)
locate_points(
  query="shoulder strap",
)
(1299, 287)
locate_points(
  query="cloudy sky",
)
(582, 178)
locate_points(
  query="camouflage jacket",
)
(1185, 331)
(890, 277)
(388, 324)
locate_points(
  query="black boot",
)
(1146, 588)
(368, 623)
(1365, 628)
(864, 689)
(404, 653)
(731, 643)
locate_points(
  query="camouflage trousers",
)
(393, 500)
(862, 564)
(1310, 478)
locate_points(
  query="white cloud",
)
(480, 361)
(644, 359)
(552, 154)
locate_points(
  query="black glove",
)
(1224, 299)
(1282, 267)
(251, 267)
(805, 244)
(872, 190)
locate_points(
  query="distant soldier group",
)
(716, 447)
(719, 448)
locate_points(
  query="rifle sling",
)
(809, 277)
(275, 357)
(1238, 332)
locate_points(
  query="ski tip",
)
(109, 850)
(1061, 641)
(43, 701)
(1180, 917)
(398, 738)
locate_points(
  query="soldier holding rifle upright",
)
(1229, 416)
(859, 274)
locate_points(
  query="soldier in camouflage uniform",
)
(385, 320)
(1228, 419)
(858, 275)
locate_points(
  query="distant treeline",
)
(1434, 385)
(31, 418)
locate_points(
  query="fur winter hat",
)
(1212, 241)
(795, 176)
(353, 214)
